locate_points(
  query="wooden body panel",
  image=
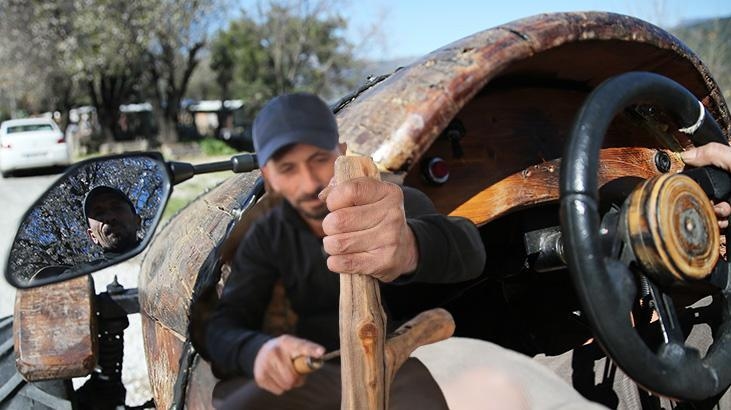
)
(202, 380)
(170, 268)
(164, 347)
(54, 330)
(169, 273)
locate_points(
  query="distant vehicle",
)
(31, 143)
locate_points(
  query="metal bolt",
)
(662, 161)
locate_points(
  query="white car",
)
(31, 143)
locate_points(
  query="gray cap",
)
(299, 118)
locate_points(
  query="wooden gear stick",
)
(368, 365)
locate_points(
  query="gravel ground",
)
(134, 368)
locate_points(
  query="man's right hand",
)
(273, 367)
(718, 155)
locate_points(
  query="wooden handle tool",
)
(368, 362)
(427, 327)
(362, 320)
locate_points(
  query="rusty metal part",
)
(672, 228)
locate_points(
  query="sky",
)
(413, 27)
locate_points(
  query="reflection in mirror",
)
(99, 213)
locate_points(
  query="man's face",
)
(299, 175)
(113, 224)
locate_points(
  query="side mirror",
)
(100, 212)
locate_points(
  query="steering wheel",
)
(671, 240)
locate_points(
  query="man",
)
(361, 226)
(113, 221)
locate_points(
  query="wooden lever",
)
(427, 327)
(362, 320)
(368, 362)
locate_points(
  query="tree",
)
(108, 45)
(286, 46)
(71, 48)
(111, 52)
(33, 74)
(178, 35)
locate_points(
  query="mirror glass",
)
(100, 212)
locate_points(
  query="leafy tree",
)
(34, 52)
(178, 36)
(109, 40)
(107, 51)
(286, 46)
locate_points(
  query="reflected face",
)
(113, 224)
(299, 174)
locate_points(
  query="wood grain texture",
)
(169, 273)
(398, 119)
(673, 229)
(200, 386)
(170, 268)
(427, 327)
(539, 183)
(164, 347)
(54, 330)
(362, 321)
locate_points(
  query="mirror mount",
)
(183, 171)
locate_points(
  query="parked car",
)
(31, 143)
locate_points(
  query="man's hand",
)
(718, 155)
(366, 230)
(273, 367)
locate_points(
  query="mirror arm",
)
(183, 171)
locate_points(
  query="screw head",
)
(662, 161)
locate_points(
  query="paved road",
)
(17, 193)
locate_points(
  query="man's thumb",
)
(689, 155)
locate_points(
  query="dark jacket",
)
(280, 245)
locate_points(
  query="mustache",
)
(310, 196)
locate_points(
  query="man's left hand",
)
(366, 230)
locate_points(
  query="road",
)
(18, 194)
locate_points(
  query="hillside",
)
(711, 40)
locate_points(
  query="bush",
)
(215, 147)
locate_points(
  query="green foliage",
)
(215, 147)
(114, 52)
(288, 46)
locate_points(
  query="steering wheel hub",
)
(673, 229)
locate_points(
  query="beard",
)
(318, 213)
(118, 241)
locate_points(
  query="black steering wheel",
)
(667, 227)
